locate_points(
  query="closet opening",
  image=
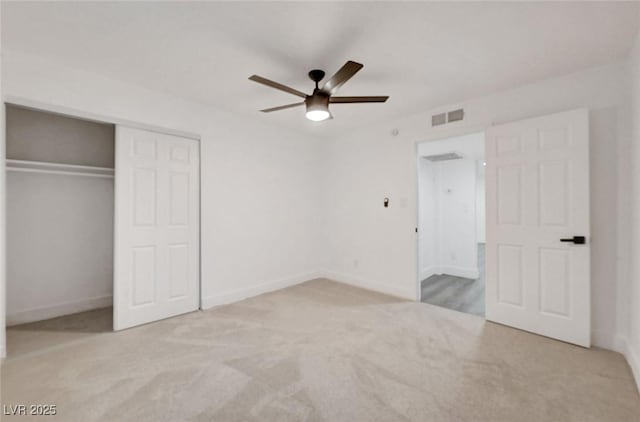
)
(60, 229)
(451, 223)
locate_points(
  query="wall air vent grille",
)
(438, 119)
(447, 117)
(455, 115)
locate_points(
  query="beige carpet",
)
(320, 351)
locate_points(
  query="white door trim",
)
(93, 117)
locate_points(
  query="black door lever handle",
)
(578, 240)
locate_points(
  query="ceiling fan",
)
(317, 103)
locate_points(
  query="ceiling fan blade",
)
(343, 75)
(378, 99)
(269, 110)
(277, 85)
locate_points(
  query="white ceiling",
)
(421, 54)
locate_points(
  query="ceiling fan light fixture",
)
(317, 107)
(317, 115)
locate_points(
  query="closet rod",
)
(58, 169)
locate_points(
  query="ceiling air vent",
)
(444, 157)
(448, 117)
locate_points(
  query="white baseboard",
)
(621, 345)
(461, 272)
(240, 294)
(428, 272)
(371, 285)
(633, 359)
(606, 340)
(52, 311)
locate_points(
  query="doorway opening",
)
(59, 205)
(451, 223)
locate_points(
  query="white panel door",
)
(156, 227)
(538, 194)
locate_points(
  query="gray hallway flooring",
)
(318, 351)
(457, 293)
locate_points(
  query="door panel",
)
(144, 275)
(144, 197)
(509, 195)
(156, 227)
(537, 194)
(509, 275)
(555, 282)
(554, 193)
(179, 270)
(178, 199)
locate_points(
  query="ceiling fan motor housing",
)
(318, 101)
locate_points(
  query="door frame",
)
(92, 117)
(443, 136)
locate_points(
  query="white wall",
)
(59, 245)
(427, 219)
(458, 252)
(369, 164)
(633, 341)
(447, 218)
(36, 136)
(481, 202)
(260, 195)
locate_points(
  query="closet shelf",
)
(58, 168)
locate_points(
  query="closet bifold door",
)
(156, 243)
